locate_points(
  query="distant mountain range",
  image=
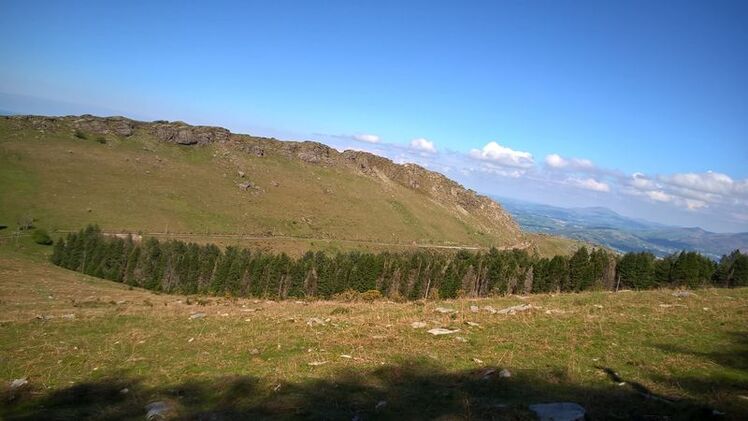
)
(603, 226)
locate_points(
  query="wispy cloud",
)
(423, 144)
(556, 161)
(368, 138)
(588, 184)
(504, 156)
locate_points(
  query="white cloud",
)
(368, 138)
(556, 161)
(502, 155)
(589, 184)
(692, 204)
(642, 182)
(708, 182)
(422, 144)
(659, 195)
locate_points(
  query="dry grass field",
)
(95, 349)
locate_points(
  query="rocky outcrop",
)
(184, 134)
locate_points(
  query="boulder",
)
(559, 411)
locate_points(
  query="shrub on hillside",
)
(40, 236)
(80, 135)
(371, 295)
(101, 139)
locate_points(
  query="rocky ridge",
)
(439, 189)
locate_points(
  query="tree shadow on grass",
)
(411, 390)
(730, 382)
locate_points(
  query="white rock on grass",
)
(489, 309)
(315, 321)
(18, 383)
(474, 309)
(195, 316)
(559, 411)
(504, 373)
(472, 324)
(418, 325)
(516, 309)
(442, 331)
(445, 310)
(317, 363)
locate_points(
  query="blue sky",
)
(638, 106)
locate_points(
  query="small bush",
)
(340, 310)
(40, 236)
(346, 296)
(371, 295)
(80, 135)
(101, 139)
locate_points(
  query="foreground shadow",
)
(411, 390)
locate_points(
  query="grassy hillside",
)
(92, 348)
(65, 174)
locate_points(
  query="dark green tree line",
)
(189, 268)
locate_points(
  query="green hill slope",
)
(157, 177)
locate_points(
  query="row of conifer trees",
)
(189, 268)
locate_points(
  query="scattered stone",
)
(560, 411)
(418, 325)
(124, 391)
(315, 321)
(504, 373)
(516, 309)
(477, 361)
(472, 324)
(18, 383)
(195, 316)
(461, 339)
(485, 375)
(190, 340)
(380, 405)
(706, 309)
(241, 174)
(254, 351)
(317, 363)
(474, 309)
(345, 356)
(120, 302)
(250, 310)
(157, 411)
(445, 310)
(682, 294)
(554, 311)
(672, 305)
(489, 309)
(68, 316)
(441, 331)
(597, 306)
